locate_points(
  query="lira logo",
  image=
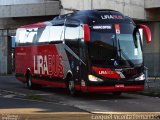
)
(111, 17)
(48, 65)
(105, 72)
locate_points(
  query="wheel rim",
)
(71, 87)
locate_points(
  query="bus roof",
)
(85, 17)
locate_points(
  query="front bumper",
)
(114, 88)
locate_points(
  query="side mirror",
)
(86, 33)
(147, 32)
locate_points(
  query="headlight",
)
(94, 78)
(142, 77)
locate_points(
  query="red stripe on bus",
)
(36, 25)
(114, 89)
(106, 72)
(108, 88)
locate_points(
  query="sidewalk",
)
(152, 87)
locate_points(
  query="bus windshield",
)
(108, 49)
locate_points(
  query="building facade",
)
(14, 13)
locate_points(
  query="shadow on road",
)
(85, 96)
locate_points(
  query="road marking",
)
(9, 96)
(12, 92)
(43, 94)
(131, 102)
(40, 101)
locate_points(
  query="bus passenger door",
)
(72, 46)
(83, 68)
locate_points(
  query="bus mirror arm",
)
(135, 38)
(147, 32)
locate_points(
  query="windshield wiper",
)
(120, 51)
(128, 59)
(135, 38)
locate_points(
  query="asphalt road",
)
(19, 105)
(14, 94)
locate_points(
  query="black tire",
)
(117, 93)
(71, 87)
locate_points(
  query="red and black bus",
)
(88, 51)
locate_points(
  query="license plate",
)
(119, 86)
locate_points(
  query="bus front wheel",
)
(71, 87)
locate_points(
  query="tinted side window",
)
(25, 35)
(30, 35)
(40, 35)
(43, 34)
(20, 35)
(81, 32)
(72, 33)
(56, 33)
